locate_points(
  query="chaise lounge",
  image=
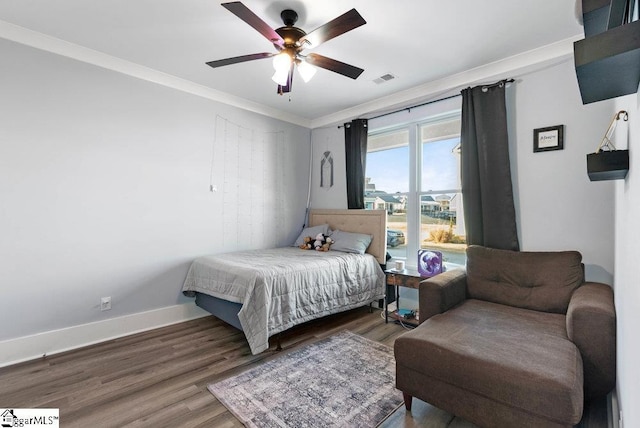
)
(518, 339)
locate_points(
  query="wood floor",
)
(159, 378)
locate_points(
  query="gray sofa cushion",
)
(542, 281)
(517, 357)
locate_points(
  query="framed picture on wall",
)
(546, 139)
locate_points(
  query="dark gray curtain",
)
(355, 143)
(487, 192)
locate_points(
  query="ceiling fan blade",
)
(244, 13)
(340, 25)
(334, 65)
(237, 59)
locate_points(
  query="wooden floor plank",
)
(160, 377)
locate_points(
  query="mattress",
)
(282, 287)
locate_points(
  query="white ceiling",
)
(424, 43)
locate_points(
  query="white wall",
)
(558, 208)
(329, 139)
(627, 288)
(104, 189)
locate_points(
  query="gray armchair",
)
(518, 339)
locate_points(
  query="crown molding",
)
(57, 46)
(514, 66)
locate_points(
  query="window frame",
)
(415, 193)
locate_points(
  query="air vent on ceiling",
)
(384, 78)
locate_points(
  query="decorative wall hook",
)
(606, 141)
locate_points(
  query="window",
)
(413, 172)
(387, 184)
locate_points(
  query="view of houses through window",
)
(413, 172)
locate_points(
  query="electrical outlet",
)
(105, 303)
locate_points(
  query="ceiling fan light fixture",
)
(280, 77)
(290, 41)
(282, 62)
(306, 70)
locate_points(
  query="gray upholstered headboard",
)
(372, 222)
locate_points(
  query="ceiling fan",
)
(291, 41)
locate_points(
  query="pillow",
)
(349, 242)
(312, 232)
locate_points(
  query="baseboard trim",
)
(613, 410)
(55, 341)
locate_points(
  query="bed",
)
(264, 292)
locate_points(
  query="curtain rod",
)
(484, 88)
(416, 106)
(411, 107)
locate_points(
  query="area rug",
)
(344, 380)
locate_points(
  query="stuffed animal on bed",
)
(307, 243)
(321, 242)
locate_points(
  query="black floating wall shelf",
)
(607, 61)
(612, 165)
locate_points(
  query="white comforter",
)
(282, 287)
